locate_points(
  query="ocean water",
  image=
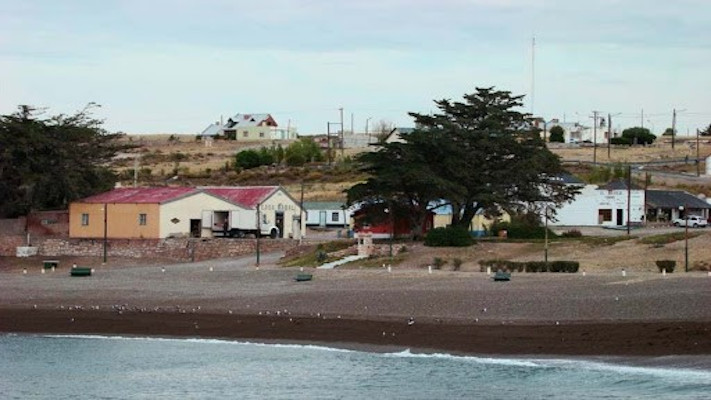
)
(94, 367)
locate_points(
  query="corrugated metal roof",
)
(144, 195)
(247, 120)
(212, 130)
(674, 199)
(248, 196)
(324, 205)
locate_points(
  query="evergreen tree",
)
(46, 163)
(479, 154)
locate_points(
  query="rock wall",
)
(179, 249)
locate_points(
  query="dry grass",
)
(199, 161)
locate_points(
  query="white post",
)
(488, 270)
(429, 269)
(390, 269)
(624, 273)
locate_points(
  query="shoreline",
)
(576, 338)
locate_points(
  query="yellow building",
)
(161, 212)
(479, 225)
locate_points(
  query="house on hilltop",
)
(249, 127)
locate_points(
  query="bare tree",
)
(382, 129)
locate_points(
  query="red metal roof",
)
(247, 197)
(147, 195)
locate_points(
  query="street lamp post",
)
(545, 248)
(390, 213)
(686, 237)
(259, 231)
(106, 229)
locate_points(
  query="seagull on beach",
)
(410, 321)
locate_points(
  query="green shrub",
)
(564, 266)
(403, 249)
(531, 266)
(456, 264)
(536, 266)
(449, 236)
(620, 141)
(573, 233)
(438, 262)
(667, 265)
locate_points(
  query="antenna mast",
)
(533, 72)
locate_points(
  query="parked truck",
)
(240, 223)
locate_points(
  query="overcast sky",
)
(159, 66)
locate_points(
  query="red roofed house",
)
(161, 212)
(250, 127)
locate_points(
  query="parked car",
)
(694, 221)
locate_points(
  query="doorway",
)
(620, 217)
(279, 222)
(195, 227)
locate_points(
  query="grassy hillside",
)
(184, 160)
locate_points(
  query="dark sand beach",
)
(640, 314)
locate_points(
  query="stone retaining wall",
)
(182, 249)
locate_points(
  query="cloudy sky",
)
(175, 66)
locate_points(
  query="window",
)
(84, 219)
(604, 215)
(334, 217)
(245, 133)
(261, 134)
(142, 219)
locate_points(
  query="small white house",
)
(325, 214)
(602, 206)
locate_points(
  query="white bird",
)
(411, 321)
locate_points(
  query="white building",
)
(602, 206)
(575, 132)
(326, 214)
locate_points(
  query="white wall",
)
(183, 210)
(313, 217)
(584, 209)
(281, 201)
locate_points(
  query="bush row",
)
(531, 266)
(449, 236)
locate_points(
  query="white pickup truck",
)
(694, 221)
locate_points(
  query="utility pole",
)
(341, 110)
(259, 231)
(533, 72)
(673, 127)
(595, 137)
(609, 134)
(302, 214)
(106, 228)
(367, 120)
(698, 156)
(328, 141)
(642, 118)
(629, 196)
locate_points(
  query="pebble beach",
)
(638, 314)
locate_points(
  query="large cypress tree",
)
(45, 163)
(479, 154)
